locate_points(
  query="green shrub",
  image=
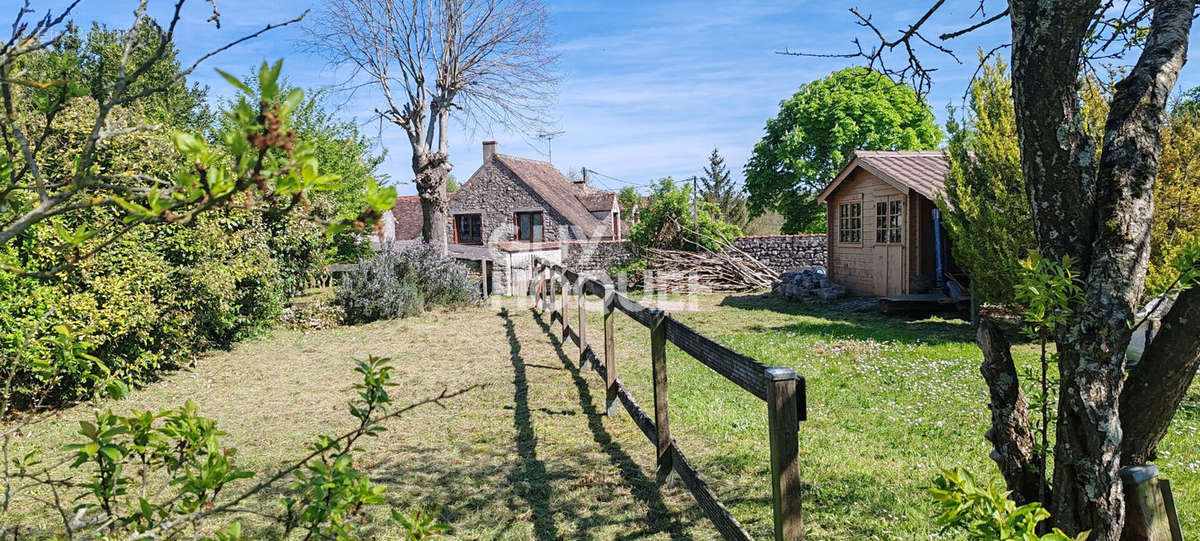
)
(985, 513)
(667, 222)
(402, 282)
(152, 300)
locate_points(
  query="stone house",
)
(510, 210)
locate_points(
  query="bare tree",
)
(1098, 212)
(487, 58)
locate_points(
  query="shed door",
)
(889, 246)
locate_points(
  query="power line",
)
(620, 180)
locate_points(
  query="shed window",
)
(887, 221)
(529, 227)
(850, 222)
(468, 229)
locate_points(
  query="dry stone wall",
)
(596, 256)
(780, 252)
(786, 252)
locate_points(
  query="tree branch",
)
(1157, 385)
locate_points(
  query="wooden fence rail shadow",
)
(779, 387)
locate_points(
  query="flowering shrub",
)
(403, 281)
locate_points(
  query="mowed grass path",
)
(531, 456)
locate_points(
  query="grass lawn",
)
(531, 456)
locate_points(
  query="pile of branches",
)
(730, 270)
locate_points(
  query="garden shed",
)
(885, 236)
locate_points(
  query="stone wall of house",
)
(596, 256)
(786, 252)
(494, 194)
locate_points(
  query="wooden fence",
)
(780, 387)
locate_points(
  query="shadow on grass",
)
(841, 321)
(642, 487)
(531, 480)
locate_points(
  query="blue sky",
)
(649, 88)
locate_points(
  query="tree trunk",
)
(1098, 215)
(1011, 436)
(1092, 351)
(1087, 485)
(1157, 385)
(431, 170)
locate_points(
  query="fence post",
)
(1146, 512)
(483, 278)
(610, 350)
(551, 284)
(784, 423)
(583, 344)
(547, 292)
(562, 316)
(539, 293)
(662, 422)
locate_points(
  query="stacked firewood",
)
(727, 270)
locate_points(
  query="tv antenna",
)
(549, 137)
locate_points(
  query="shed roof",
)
(922, 171)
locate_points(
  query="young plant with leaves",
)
(167, 475)
(985, 512)
(1046, 290)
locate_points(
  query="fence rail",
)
(779, 387)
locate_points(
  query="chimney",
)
(489, 150)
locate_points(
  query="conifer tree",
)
(717, 187)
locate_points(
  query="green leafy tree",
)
(91, 63)
(452, 183)
(1176, 193)
(667, 222)
(1189, 102)
(985, 208)
(628, 198)
(347, 153)
(717, 187)
(817, 129)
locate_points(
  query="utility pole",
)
(549, 137)
(695, 212)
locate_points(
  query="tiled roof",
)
(555, 189)
(597, 200)
(407, 212)
(923, 171)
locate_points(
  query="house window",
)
(529, 227)
(468, 229)
(887, 221)
(850, 220)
